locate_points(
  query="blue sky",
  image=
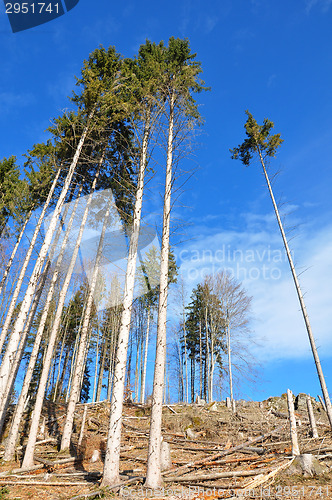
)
(273, 58)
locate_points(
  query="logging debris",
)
(230, 451)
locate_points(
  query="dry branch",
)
(108, 488)
(41, 483)
(260, 480)
(218, 475)
(262, 437)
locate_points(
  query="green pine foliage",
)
(259, 140)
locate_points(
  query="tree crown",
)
(259, 140)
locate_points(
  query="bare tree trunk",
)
(96, 369)
(137, 371)
(28, 457)
(112, 458)
(212, 362)
(11, 259)
(200, 362)
(185, 359)
(292, 424)
(208, 361)
(59, 383)
(59, 379)
(18, 327)
(146, 347)
(12, 437)
(229, 360)
(153, 475)
(300, 296)
(80, 439)
(19, 354)
(102, 368)
(312, 418)
(81, 354)
(20, 279)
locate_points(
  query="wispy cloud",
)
(9, 101)
(324, 5)
(256, 257)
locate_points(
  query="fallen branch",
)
(212, 458)
(195, 441)
(263, 478)
(252, 449)
(218, 475)
(128, 418)
(241, 459)
(41, 483)
(304, 420)
(21, 471)
(44, 441)
(48, 463)
(135, 429)
(171, 409)
(37, 467)
(101, 491)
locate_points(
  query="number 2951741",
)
(32, 8)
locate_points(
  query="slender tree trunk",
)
(28, 457)
(193, 369)
(185, 358)
(208, 362)
(212, 361)
(153, 475)
(17, 329)
(136, 371)
(300, 296)
(181, 376)
(102, 367)
(20, 279)
(292, 424)
(229, 360)
(59, 379)
(312, 419)
(112, 458)
(128, 377)
(81, 353)
(73, 361)
(59, 383)
(12, 437)
(111, 363)
(146, 347)
(96, 369)
(19, 354)
(11, 259)
(200, 361)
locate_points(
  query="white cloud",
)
(256, 257)
(324, 4)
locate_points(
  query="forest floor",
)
(215, 454)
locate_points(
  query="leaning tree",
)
(260, 143)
